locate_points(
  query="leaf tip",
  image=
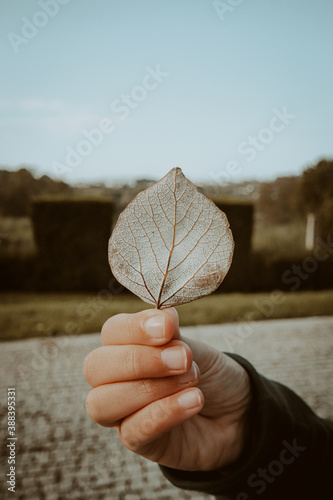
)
(177, 170)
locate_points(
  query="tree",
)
(18, 188)
(277, 202)
(316, 194)
(316, 186)
(325, 218)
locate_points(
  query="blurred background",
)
(100, 100)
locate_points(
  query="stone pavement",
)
(63, 455)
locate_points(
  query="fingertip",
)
(154, 327)
(191, 399)
(90, 405)
(112, 325)
(126, 328)
(172, 312)
(161, 326)
(171, 323)
(149, 327)
(86, 368)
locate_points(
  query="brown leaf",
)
(171, 244)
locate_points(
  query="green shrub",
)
(280, 241)
(18, 273)
(325, 218)
(72, 238)
(290, 274)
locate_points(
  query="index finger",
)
(149, 327)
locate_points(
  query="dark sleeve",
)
(288, 452)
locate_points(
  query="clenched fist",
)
(175, 401)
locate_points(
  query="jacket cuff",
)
(277, 420)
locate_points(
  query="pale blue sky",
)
(229, 78)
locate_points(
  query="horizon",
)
(132, 181)
(129, 91)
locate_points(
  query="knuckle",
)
(130, 439)
(155, 416)
(134, 326)
(87, 368)
(146, 387)
(90, 405)
(152, 418)
(158, 413)
(104, 330)
(95, 409)
(132, 362)
(90, 363)
(137, 436)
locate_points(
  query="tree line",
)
(278, 202)
(288, 198)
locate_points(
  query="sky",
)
(114, 90)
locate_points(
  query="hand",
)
(175, 401)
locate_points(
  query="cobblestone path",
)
(63, 455)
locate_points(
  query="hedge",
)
(291, 275)
(18, 273)
(240, 217)
(72, 239)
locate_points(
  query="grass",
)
(37, 315)
(279, 241)
(16, 236)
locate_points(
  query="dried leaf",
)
(171, 244)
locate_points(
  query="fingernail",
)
(190, 399)
(174, 358)
(191, 376)
(155, 327)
